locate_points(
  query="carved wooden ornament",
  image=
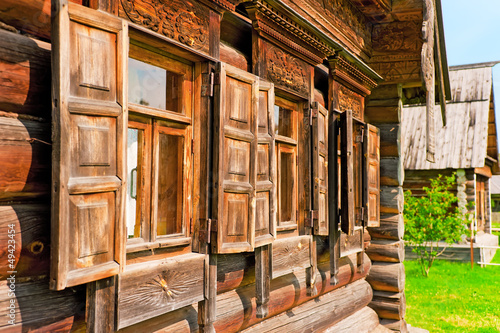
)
(428, 74)
(185, 21)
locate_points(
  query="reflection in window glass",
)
(135, 138)
(286, 187)
(169, 220)
(283, 121)
(154, 86)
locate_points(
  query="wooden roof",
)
(469, 137)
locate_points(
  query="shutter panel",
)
(235, 169)
(347, 173)
(89, 136)
(333, 197)
(320, 168)
(266, 199)
(371, 149)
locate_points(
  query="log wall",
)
(387, 276)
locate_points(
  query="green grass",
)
(453, 298)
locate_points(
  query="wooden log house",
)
(465, 145)
(216, 165)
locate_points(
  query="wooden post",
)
(207, 308)
(262, 280)
(100, 313)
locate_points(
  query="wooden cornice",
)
(374, 10)
(273, 23)
(282, 24)
(344, 72)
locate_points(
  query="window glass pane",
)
(134, 150)
(283, 121)
(154, 86)
(170, 205)
(286, 187)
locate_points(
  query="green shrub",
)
(432, 218)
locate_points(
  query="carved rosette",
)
(286, 71)
(184, 21)
(162, 289)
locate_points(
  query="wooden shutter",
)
(89, 136)
(371, 147)
(266, 198)
(235, 158)
(333, 197)
(320, 168)
(347, 173)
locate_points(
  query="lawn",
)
(454, 298)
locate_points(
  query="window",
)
(285, 119)
(158, 150)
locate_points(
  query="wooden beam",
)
(389, 305)
(386, 250)
(387, 276)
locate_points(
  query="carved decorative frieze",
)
(275, 26)
(345, 17)
(345, 72)
(397, 37)
(349, 100)
(286, 71)
(398, 71)
(185, 21)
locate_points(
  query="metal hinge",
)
(361, 214)
(313, 113)
(206, 232)
(192, 146)
(207, 88)
(313, 215)
(191, 226)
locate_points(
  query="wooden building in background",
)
(208, 165)
(466, 144)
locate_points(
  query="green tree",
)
(432, 218)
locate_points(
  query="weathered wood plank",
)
(100, 305)
(290, 255)
(321, 312)
(387, 276)
(150, 289)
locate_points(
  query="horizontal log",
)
(385, 91)
(387, 276)
(386, 250)
(24, 75)
(32, 16)
(26, 159)
(364, 320)
(391, 199)
(31, 223)
(391, 171)
(320, 313)
(36, 307)
(391, 227)
(389, 305)
(389, 140)
(237, 308)
(395, 325)
(382, 114)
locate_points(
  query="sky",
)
(472, 34)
